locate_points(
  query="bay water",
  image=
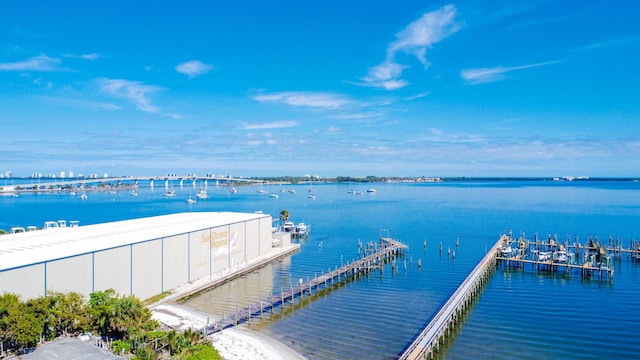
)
(521, 314)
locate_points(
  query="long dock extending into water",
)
(387, 250)
(442, 324)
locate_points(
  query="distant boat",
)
(169, 193)
(83, 196)
(134, 193)
(312, 197)
(233, 190)
(275, 196)
(372, 190)
(351, 191)
(191, 201)
(262, 191)
(202, 194)
(291, 191)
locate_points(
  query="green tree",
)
(101, 308)
(284, 215)
(9, 303)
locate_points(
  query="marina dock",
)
(372, 259)
(566, 257)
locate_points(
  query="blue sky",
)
(412, 88)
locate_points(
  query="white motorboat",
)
(372, 190)
(233, 190)
(288, 226)
(301, 229)
(191, 201)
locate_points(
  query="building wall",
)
(264, 241)
(238, 242)
(199, 255)
(28, 281)
(220, 248)
(175, 261)
(60, 279)
(253, 232)
(112, 270)
(148, 268)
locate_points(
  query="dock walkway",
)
(388, 249)
(428, 341)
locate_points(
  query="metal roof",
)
(33, 247)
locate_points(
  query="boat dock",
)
(385, 251)
(568, 257)
(443, 323)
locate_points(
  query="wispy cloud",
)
(133, 91)
(306, 99)
(193, 68)
(358, 116)
(36, 63)
(415, 39)
(271, 125)
(92, 56)
(607, 43)
(486, 75)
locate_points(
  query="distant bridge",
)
(130, 180)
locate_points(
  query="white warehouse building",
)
(142, 257)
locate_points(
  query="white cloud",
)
(193, 68)
(36, 63)
(430, 28)
(133, 91)
(271, 125)
(308, 99)
(485, 75)
(92, 56)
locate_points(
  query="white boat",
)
(202, 194)
(134, 193)
(233, 190)
(262, 191)
(169, 193)
(301, 229)
(83, 196)
(191, 201)
(544, 256)
(507, 251)
(312, 197)
(351, 191)
(372, 190)
(288, 226)
(291, 191)
(275, 196)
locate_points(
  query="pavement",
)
(69, 348)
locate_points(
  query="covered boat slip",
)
(142, 257)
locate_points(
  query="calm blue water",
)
(520, 314)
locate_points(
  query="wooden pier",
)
(386, 251)
(443, 323)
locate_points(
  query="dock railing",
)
(428, 340)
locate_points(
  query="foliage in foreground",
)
(123, 319)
